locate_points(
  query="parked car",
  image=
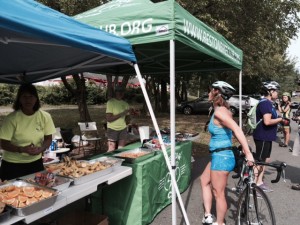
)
(197, 106)
(295, 105)
(201, 105)
(256, 96)
(295, 93)
(234, 103)
(253, 101)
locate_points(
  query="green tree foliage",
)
(72, 7)
(55, 95)
(261, 28)
(7, 94)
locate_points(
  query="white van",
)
(295, 93)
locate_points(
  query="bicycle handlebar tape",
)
(279, 171)
(285, 122)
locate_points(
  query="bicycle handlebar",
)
(278, 167)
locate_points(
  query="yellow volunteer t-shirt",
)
(23, 130)
(115, 107)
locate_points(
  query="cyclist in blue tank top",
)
(215, 175)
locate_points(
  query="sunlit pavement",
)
(285, 201)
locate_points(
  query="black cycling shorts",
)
(263, 150)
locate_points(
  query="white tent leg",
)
(163, 147)
(240, 100)
(172, 124)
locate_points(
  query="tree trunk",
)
(164, 96)
(80, 95)
(177, 90)
(109, 90)
(184, 91)
(156, 95)
(112, 83)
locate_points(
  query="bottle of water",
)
(53, 145)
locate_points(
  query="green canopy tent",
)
(150, 26)
(165, 38)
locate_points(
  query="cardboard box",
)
(83, 218)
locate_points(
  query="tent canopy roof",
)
(149, 27)
(38, 43)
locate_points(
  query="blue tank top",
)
(221, 137)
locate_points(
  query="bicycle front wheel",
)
(254, 208)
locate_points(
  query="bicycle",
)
(254, 207)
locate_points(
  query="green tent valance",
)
(149, 26)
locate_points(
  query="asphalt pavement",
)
(285, 201)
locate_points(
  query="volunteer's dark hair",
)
(264, 92)
(27, 88)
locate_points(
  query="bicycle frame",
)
(250, 210)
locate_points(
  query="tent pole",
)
(163, 147)
(240, 98)
(172, 124)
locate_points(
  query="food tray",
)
(61, 183)
(92, 176)
(34, 207)
(58, 168)
(186, 136)
(115, 162)
(149, 154)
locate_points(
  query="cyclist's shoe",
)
(265, 188)
(296, 187)
(282, 145)
(207, 219)
(290, 149)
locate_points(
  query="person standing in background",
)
(285, 109)
(266, 130)
(25, 134)
(116, 111)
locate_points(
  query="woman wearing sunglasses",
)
(221, 126)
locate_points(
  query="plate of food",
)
(107, 159)
(135, 155)
(80, 171)
(27, 198)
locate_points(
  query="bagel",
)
(29, 191)
(13, 194)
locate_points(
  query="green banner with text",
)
(137, 199)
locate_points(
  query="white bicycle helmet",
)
(270, 85)
(226, 89)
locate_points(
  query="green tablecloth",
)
(137, 199)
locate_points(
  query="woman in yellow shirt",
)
(25, 134)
